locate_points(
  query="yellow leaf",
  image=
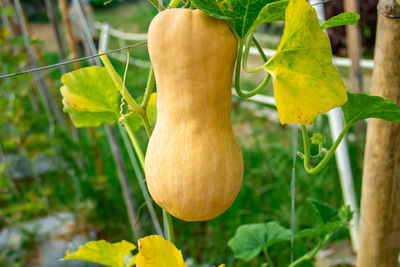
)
(305, 81)
(103, 252)
(78, 102)
(155, 251)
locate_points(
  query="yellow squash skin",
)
(193, 166)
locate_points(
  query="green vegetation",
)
(96, 195)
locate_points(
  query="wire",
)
(70, 61)
(93, 56)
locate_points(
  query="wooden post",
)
(63, 5)
(379, 243)
(353, 44)
(52, 15)
(68, 30)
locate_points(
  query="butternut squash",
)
(193, 164)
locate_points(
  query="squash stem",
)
(255, 91)
(259, 48)
(170, 229)
(246, 55)
(309, 255)
(147, 125)
(118, 83)
(268, 258)
(157, 5)
(135, 143)
(173, 3)
(328, 155)
(149, 88)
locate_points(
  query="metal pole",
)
(336, 124)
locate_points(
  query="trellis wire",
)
(295, 131)
(338, 61)
(71, 61)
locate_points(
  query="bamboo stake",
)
(15, 30)
(68, 30)
(113, 141)
(51, 14)
(380, 203)
(35, 57)
(353, 44)
(63, 5)
(38, 77)
(123, 179)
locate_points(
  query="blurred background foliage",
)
(44, 170)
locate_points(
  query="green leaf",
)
(271, 12)
(102, 252)
(251, 239)
(333, 220)
(135, 121)
(242, 15)
(90, 97)
(305, 81)
(344, 18)
(321, 230)
(360, 107)
(325, 211)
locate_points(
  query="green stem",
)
(268, 258)
(328, 155)
(118, 82)
(149, 88)
(157, 5)
(259, 48)
(187, 4)
(320, 153)
(170, 228)
(246, 55)
(173, 3)
(237, 77)
(147, 125)
(135, 142)
(309, 255)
